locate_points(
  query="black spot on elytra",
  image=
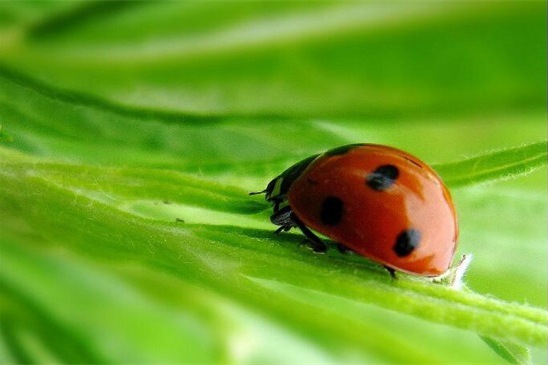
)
(332, 210)
(342, 150)
(407, 241)
(382, 178)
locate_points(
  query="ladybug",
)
(375, 200)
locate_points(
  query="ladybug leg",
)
(392, 272)
(285, 218)
(345, 250)
(282, 229)
(315, 242)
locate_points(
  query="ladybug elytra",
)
(375, 200)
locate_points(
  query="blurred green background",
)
(131, 133)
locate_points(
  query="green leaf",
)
(4, 137)
(307, 59)
(132, 132)
(511, 352)
(493, 166)
(100, 192)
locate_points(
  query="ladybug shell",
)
(383, 204)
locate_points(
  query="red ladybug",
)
(375, 200)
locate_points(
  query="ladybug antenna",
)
(257, 192)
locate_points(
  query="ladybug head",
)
(273, 192)
(277, 189)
